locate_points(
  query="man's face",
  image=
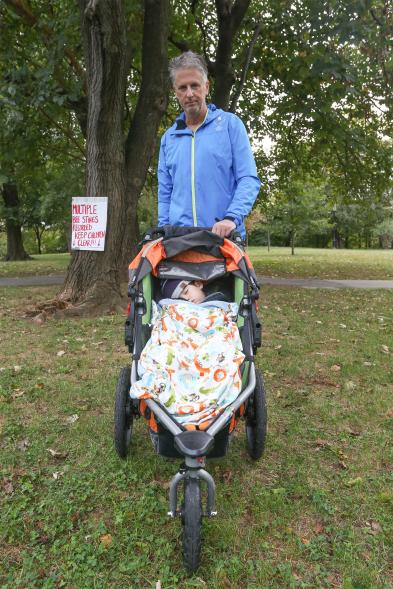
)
(191, 91)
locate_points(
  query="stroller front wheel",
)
(256, 419)
(123, 413)
(192, 521)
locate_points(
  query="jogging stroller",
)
(191, 254)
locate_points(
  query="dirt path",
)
(302, 282)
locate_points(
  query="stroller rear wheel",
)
(192, 521)
(123, 413)
(256, 419)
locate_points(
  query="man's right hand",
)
(223, 228)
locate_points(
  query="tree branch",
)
(182, 45)
(23, 9)
(376, 18)
(246, 67)
(238, 11)
(65, 132)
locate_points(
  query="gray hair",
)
(187, 60)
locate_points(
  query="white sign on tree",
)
(89, 216)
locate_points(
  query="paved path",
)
(332, 284)
(302, 282)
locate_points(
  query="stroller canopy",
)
(190, 253)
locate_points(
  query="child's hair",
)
(172, 288)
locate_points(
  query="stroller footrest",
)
(194, 443)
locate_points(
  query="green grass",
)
(323, 263)
(315, 512)
(306, 263)
(43, 264)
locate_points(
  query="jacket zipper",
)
(194, 214)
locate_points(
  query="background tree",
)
(313, 76)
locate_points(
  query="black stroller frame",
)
(172, 439)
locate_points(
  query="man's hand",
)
(223, 228)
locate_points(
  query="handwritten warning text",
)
(89, 217)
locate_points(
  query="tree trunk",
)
(117, 168)
(268, 240)
(292, 242)
(151, 106)
(230, 16)
(15, 248)
(93, 278)
(38, 235)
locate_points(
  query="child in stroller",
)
(191, 254)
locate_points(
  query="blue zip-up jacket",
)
(207, 175)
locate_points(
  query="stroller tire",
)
(256, 419)
(192, 521)
(123, 413)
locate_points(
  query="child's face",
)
(193, 292)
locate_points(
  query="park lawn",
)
(39, 265)
(323, 263)
(307, 263)
(315, 512)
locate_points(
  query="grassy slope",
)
(43, 264)
(314, 512)
(308, 262)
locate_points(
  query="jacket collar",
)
(179, 127)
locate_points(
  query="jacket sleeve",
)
(245, 172)
(165, 186)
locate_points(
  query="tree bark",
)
(230, 15)
(93, 278)
(151, 106)
(117, 166)
(15, 247)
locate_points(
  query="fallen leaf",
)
(389, 412)
(336, 368)
(368, 363)
(322, 443)
(374, 527)
(17, 368)
(366, 555)
(385, 349)
(57, 455)
(60, 353)
(305, 541)
(227, 476)
(22, 445)
(58, 474)
(106, 540)
(343, 465)
(71, 419)
(277, 347)
(17, 393)
(319, 322)
(354, 432)
(7, 485)
(39, 385)
(343, 326)
(353, 482)
(158, 584)
(349, 385)
(318, 528)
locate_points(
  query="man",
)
(206, 172)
